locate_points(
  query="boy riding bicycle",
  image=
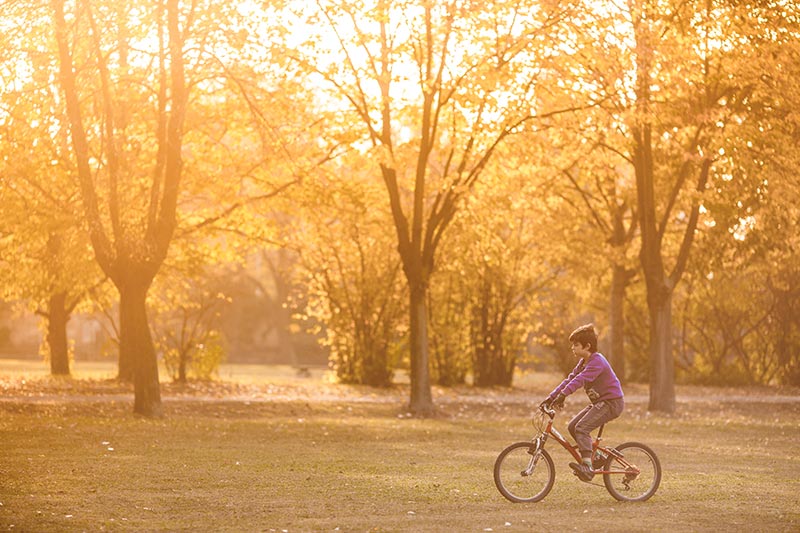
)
(594, 373)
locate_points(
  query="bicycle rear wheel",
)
(634, 477)
(521, 476)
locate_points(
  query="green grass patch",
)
(362, 466)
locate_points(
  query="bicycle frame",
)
(550, 431)
(621, 476)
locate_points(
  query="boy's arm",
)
(590, 372)
(572, 375)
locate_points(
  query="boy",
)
(595, 375)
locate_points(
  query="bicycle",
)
(525, 473)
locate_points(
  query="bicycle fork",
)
(535, 453)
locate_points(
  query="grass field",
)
(293, 455)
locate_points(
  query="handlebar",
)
(549, 411)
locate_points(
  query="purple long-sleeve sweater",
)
(596, 376)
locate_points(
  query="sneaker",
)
(583, 471)
(599, 461)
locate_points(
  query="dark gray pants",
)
(590, 418)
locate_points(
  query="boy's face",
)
(579, 350)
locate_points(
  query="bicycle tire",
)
(509, 468)
(640, 487)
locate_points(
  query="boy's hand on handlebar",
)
(547, 408)
(558, 403)
(546, 403)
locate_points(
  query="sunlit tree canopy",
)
(455, 184)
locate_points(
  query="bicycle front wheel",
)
(523, 475)
(635, 476)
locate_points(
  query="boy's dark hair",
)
(585, 335)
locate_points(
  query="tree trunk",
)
(57, 318)
(126, 365)
(421, 399)
(112, 250)
(182, 364)
(653, 225)
(619, 282)
(480, 337)
(480, 367)
(136, 345)
(662, 371)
